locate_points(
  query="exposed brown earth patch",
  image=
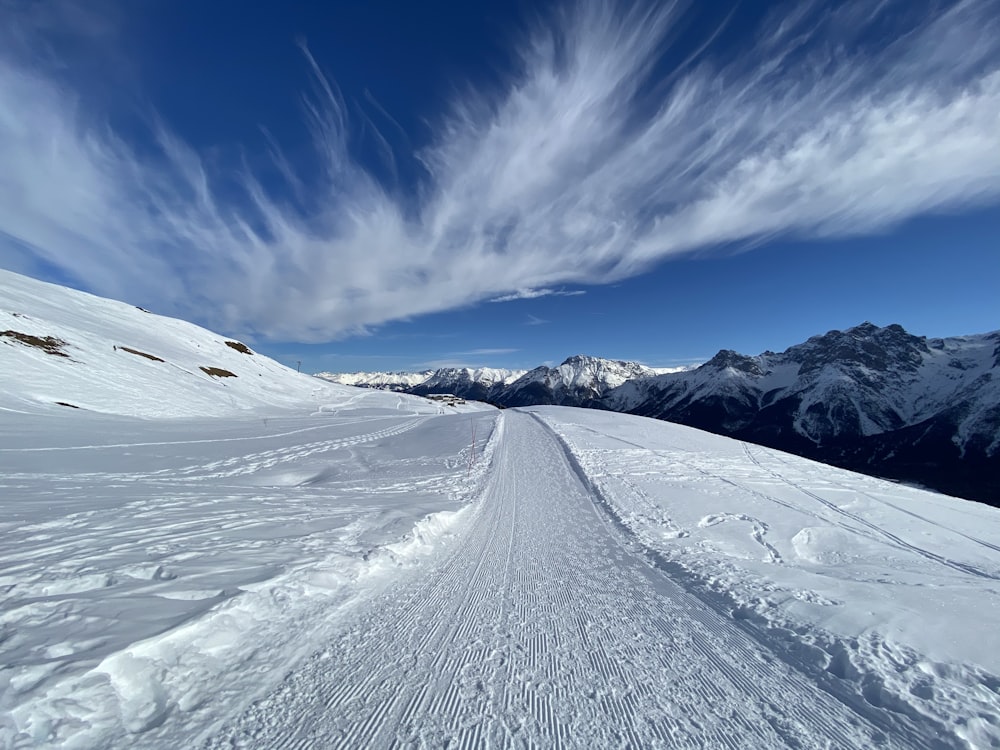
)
(48, 344)
(242, 348)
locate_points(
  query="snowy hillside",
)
(868, 587)
(60, 348)
(285, 562)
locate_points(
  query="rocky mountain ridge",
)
(580, 380)
(386, 381)
(877, 400)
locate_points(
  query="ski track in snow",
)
(598, 592)
(252, 463)
(889, 609)
(752, 455)
(134, 599)
(542, 627)
(231, 439)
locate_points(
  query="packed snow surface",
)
(154, 574)
(887, 596)
(348, 579)
(283, 562)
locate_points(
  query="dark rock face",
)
(866, 345)
(727, 358)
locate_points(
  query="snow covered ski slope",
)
(350, 578)
(545, 624)
(888, 597)
(262, 559)
(154, 574)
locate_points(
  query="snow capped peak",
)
(600, 374)
(468, 382)
(579, 380)
(581, 360)
(483, 375)
(728, 359)
(866, 344)
(473, 383)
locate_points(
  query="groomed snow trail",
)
(541, 627)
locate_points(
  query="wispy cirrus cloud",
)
(591, 164)
(536, 293)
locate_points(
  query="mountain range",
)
(579, 381)
(873, 399)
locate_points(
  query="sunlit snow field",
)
(158, 567)
(893, 589)
(179, 553)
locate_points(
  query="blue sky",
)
(409, 185)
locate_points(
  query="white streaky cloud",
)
(536, 293)
(588, 167)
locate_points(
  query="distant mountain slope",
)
(389, 381)
(61, 348)
(477, 384)
(878, 400)
(578, 381)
